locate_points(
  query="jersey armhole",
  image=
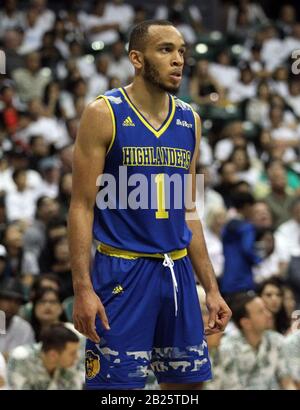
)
(113, 121)
(196, 128)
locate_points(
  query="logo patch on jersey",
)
(183, 123)
(128, 122)
(92, 364)
(118, 289)
(115, 100)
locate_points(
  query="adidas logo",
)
(117, 289)
(128, 122)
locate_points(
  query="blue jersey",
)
(155, 223)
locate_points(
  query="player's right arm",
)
(93, 138)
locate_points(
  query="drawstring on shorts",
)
(169, 263)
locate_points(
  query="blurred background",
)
(239, 76)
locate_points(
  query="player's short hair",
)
(139, 34)
(56, 336)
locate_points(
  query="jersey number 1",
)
(161, 212)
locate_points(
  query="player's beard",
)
(152, 76)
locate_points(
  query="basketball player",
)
(139, 307)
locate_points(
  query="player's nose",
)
(177, 59)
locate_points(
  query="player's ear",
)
(137, 59)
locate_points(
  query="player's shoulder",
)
(95, 113)
(113, 96)
(103, 101)
(96, 124)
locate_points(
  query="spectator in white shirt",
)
(60, 35)
(123, 13)
(50, 169)
(20, 204)
(246, 170)
(272, 263)
(35, 236)
(254, 59)
(288, 234)
(18, 159)
(18, 331)
(98, 83)
(46, 17)
(10, 16)
(100, 27)
(272, 49)
(254, 13)
(280, 130)
(258, 108)
(19, 261)
(245, 87)
(33, 32)
(50, 128)
(288, 119)
(119, 65)
(84, 62)
(223, 70)
(279, 81)
(292, 42)
(292, 354)
(232, 136)
(206, 151)
(270, 149)
(287, 18)
(215, 221)
(211, 198)
(11, 42)
(31, 80)
(293, 98)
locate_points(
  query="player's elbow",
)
(81, 205)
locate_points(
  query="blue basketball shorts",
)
(145, 333)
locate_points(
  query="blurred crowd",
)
(245, 85)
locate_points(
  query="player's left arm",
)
(219, 312)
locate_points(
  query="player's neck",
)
(147, 97)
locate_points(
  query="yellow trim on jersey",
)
(146, 123)
(122, 253)
(196, 132)
(112, 118)
(196, 125)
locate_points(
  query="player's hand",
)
(86, 306)
(219, 313)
